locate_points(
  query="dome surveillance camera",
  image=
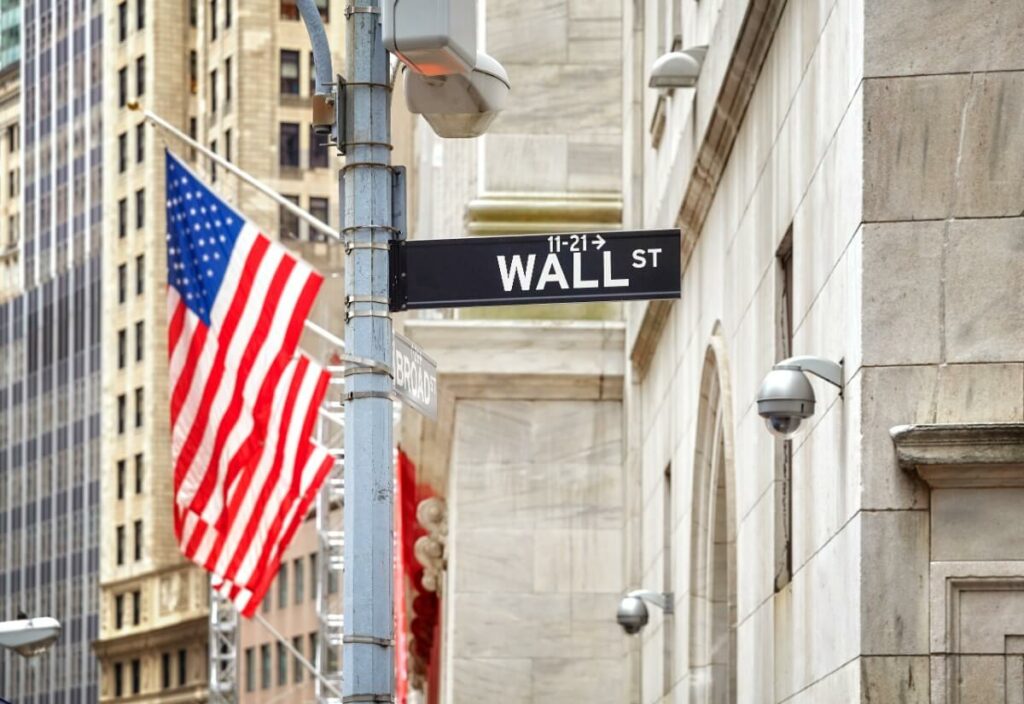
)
(632, 614)
(786, 396)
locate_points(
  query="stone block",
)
(597, 561)
(595, 9)
(594, 164)
(600, 681)
(894, 572)
(843, 685)
(943, 146)
(492, 680)
(755, 558)
(985, 291)
(977, 524)
(511, 625)
(494, 560)
(895, 679)
(755, 649)
(980, 393)
(528, 163)
(552, 561)
(900, 37)
(892, 396)
(546, 40)
(561, 99)
(902, 287)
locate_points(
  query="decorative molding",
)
(430, 550)
(752, 43)
(962, 454)
(526, 213)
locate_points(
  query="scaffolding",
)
(223, 650)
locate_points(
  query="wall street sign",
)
(557, 268)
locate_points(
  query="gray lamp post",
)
(30, 636)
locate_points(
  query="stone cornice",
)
(751, 48)
(507, 213)
(962, 455)
(150, 639)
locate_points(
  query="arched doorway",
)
(713, 549)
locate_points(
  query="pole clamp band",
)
(368, 640)
(379, 246)
(354, 395)
(382, 300)
(349, 315)
(368, 698)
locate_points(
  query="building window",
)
(289, 144)
(139, 338)
(282, 589)
(325, 9)
(213, 164)
(227, 144)
(165, 670)
(122, 152)
(122, 87)
(314, 643)
(122, 478)
(120, 545)
(140, 208)
(227, 12)
(289, 72)
(138, 407)
(312, 74)
(265, 606)
(250, 670)
(140, 142)
(299, 587)
(138, 541)
(122, 348)
(193, 77)
(265, 666)
(119, 612)
(317, 151)
(783, 558)
(289, 10)
(320, 209)
(140, 76)
(122, 283)
(140, 14)
(193, 12)
(118, 679)
(213, 90)
(182, 667)
(288, 222)
(122, 413)
(282, 665)
(313, 576)
(136, 676)
(140, 274)
(227, 84)
(297, 665)
(138, 473)
(136, 607)
(122, 218)
(122, 21)
(213, 19)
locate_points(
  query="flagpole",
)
(298, 656)
(244, 175)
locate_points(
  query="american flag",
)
(243, 397)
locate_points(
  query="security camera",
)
(786, 398)
(632, 614)
(459, 105)
(677, 69)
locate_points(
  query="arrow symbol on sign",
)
(600, 241)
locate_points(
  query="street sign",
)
(415, 376)
(557, 268)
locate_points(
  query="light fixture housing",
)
(678, 69)
(459, 105)
(786, 397)
(29, 637)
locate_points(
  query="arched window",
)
(713, 551)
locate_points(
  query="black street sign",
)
(562, 268)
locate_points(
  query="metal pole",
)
(366, 179)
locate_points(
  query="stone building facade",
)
(841, 178)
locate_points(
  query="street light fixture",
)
(30, 636)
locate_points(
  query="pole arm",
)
(324, 73)
(820, 367)
(662, 600)
(245, 176)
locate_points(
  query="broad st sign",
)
(415, 376)
(562, 268)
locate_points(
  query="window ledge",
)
(962, 455)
